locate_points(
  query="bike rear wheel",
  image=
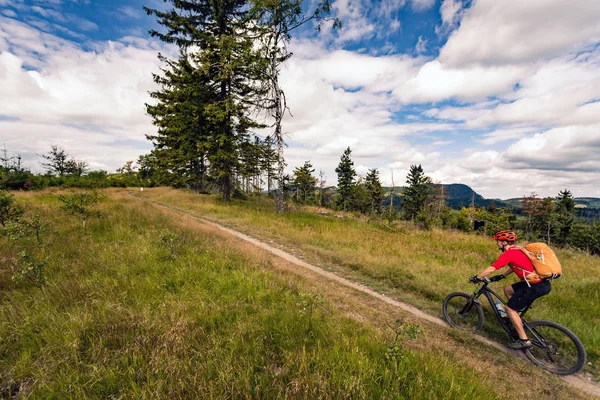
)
(555, 348)
(462, 312)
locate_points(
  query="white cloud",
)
(503, 135)
(573, 148)
(514, 31)
(57, 16)
(450, 11)
(82, 99)
(421, 46)
(422, 5)
(9, 13)
(436, 82)
(129, 12)
(357, 25)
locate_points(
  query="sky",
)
(503, 96)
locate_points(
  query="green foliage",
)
(28, 225)
(204, 106)
(435, 212)
(9, 210)
(180, 157)
(346, 180)
(28, 268)
(416, 193)
(58, 162)
(304, 183)
(268, 161)
(307, 304)
(360, 199)
(81, 204)
(374, 190)
(565, 210)
(585, 237)
(402, 330)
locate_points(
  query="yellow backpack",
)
(544, 261)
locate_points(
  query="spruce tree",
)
(184, 132)
(305, 183)
(565, 210)
(415, 195)
(374, 189)
(218, 39)
(346, 180)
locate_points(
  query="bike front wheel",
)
(555, 348)
(461, 311)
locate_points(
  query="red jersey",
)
(515, 259)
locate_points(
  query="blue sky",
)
(502, 96)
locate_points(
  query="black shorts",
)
(525, 295)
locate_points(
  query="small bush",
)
(81, 204)
(402, 330)
(28, 268)
(24, 226)
(8, 209)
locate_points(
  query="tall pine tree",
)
(346, 180)
(565, 210)
(374, 189)
(305, 183)
(415, 195)
(218, 38)
(184, 133)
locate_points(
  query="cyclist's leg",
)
(524, 296)
(509, 292)
(516, 302)
(515, 318)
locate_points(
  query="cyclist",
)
(520, 294)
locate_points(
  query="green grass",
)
(140, 305)
(419, 267)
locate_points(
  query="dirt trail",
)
(575, 381)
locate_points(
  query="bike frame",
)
(492, 296)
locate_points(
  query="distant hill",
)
(580, 202)
(458, 196)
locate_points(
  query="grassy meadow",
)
(144, 303)
(141, 305)
(418, 267)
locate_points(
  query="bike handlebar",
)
(479, 280)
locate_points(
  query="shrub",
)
(81, 204)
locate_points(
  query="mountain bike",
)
(555, 348)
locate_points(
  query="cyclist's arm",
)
(486, 272)
(501, 262)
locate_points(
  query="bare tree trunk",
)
(392, 197)
(279, 109)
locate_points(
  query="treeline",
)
(67, 172)
(552, 220)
